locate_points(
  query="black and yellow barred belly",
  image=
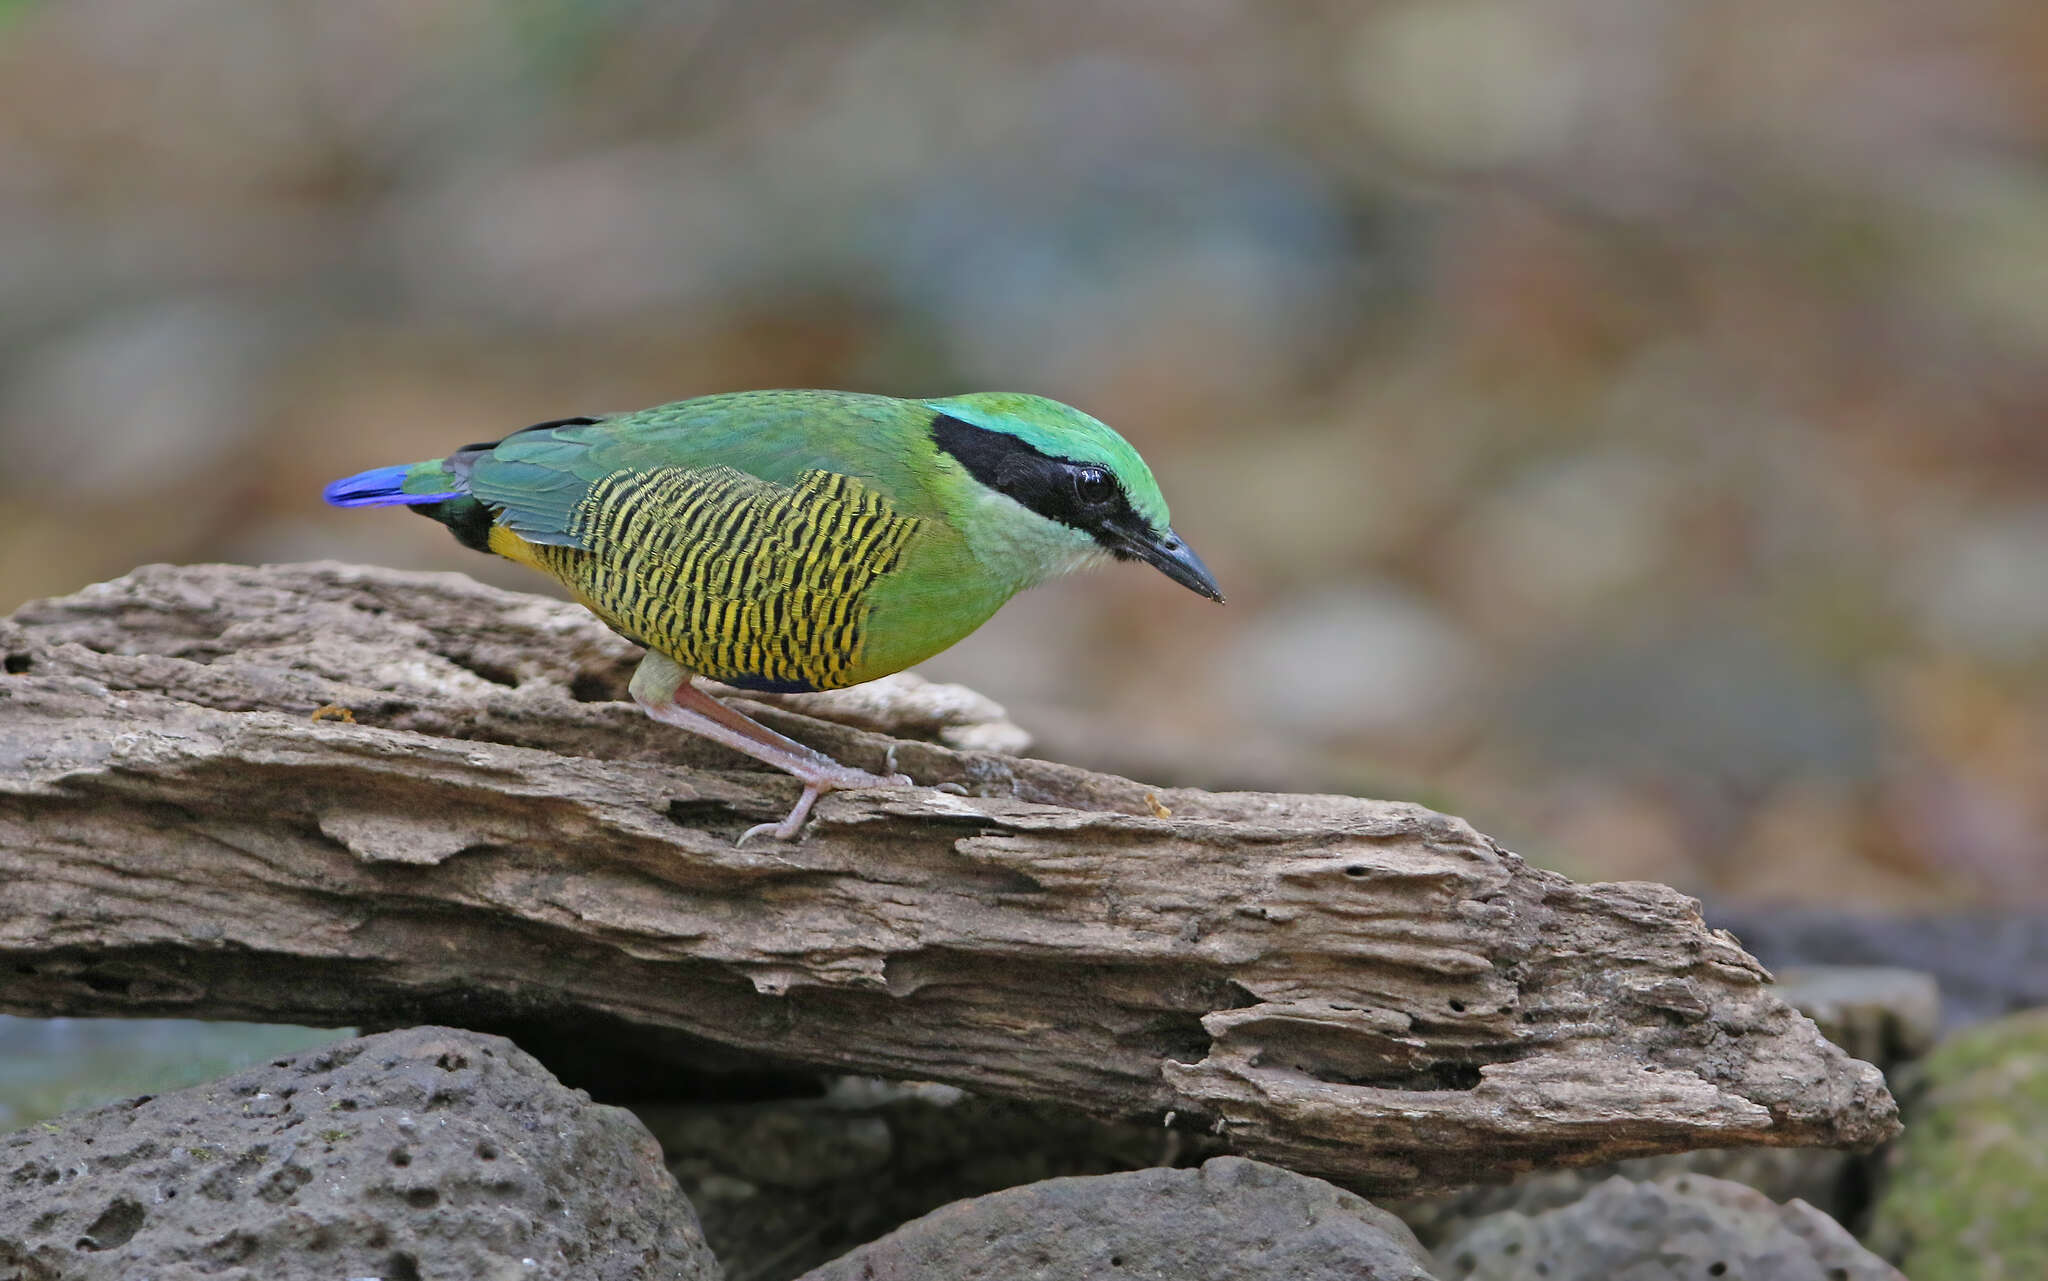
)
(747, 582)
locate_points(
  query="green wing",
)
(538, 480)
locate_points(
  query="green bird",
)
(785, 541)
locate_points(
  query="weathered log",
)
(1359, 989)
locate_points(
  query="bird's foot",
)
(817, 782)
(664, 690)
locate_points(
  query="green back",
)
(539, 476)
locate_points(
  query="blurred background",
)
(1621, 422)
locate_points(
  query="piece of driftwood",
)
(1359, 989)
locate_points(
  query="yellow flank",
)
(512, 547)
(728, 574)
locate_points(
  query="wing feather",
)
(536, 479)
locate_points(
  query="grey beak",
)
(1175, 559)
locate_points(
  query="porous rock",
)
(424, 1153)
(1231, 1218)
(1679, 1229)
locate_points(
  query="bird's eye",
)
(1093, 486)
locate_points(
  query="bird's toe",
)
(776, 830)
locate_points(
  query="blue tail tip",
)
(378, 487)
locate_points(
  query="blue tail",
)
(381, 487)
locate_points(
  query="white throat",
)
(1017, 544)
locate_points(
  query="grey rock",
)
(1232, 1218)
(1682, 1228)
(1987, 964)
(424, 1153)
(1823, 1178)
(1879, 1013)
(784, 1185)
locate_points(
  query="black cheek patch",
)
(1039, 481)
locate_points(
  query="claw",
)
(792, 824)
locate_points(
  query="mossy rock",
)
(1966, 1194)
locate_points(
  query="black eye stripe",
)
(1056, 488)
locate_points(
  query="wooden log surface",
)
(1364, 990)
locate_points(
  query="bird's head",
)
(1085, 483)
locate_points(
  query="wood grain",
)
(1364, 990)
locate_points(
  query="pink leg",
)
(664, 691)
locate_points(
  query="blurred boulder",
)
(1682, 1229)
(1878, 1013)
(1985, 964)
(1818, 1177)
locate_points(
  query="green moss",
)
(1967, 1193)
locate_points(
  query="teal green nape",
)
(785, 541)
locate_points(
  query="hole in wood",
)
(491, 672)
(592, 687)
